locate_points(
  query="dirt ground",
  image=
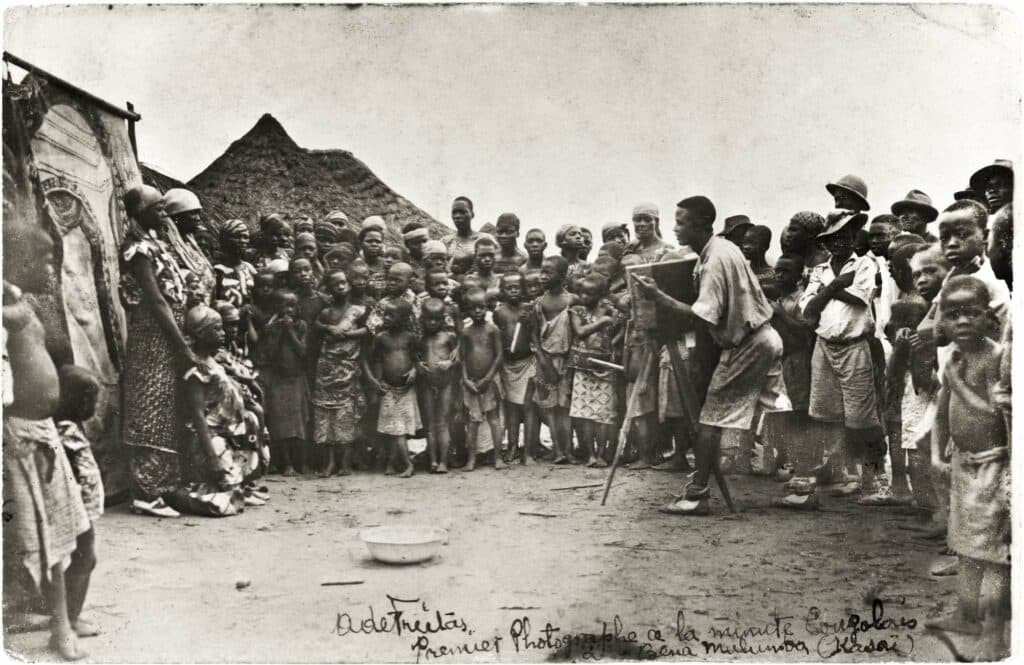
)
(165, 590)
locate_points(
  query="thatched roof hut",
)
(265, 171)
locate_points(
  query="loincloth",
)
(515, 377)
(399, 413)
(558, 394)
(979, 505)
(478, 405)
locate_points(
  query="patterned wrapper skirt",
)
(593, 398)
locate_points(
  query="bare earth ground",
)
(165, 590)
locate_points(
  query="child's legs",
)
(920, 472)
(585, 435)
(400, 450)
(493, 418)
(897, 457)
(563, 428)
(429, 412)
(443, 404)
(970, 577)
(76, 577)
(298, 450)
(513, 419)
(994, 592)
(281, 452)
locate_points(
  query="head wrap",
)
(374, 221)
(271, 222)
(177, 201)
(562, 230)
(304, 225)
(232, 227)
(199, 319)
(421, 232)
(337, 218)
(613, 226)
(343, 250)
(645, 209)
(326, 230)
(277, 266)
(434, 247)
(305, 237)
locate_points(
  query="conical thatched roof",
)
(153, 177)
(265, 171)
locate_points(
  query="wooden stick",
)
(620, 444)
(606, 365)
(515, 335)
(576, 487)
(347, 583)
(533, 514)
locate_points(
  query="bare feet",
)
(498, 464)
(344, 472)
(561, 459)
(66, 644)
(326, 473)
(390, 471)
(470, 466)
(83, 628)
(288, 471)
(527, 460)
(599, 463)
(639, 465)
(441, 468)
(407, 473)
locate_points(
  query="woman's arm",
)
(142, 270)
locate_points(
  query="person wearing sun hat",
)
(995, 183)
(850, 193)
(736, 226)
(916, 212)
(844, 393)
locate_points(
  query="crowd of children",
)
(343, 351)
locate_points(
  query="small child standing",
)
(439, 286)
(552, 340)
(439, 354)
(303, 282)
(338, 396)
(283, 348)
(593, 409)
(396, 289)
(481, 361)
(969, 421)
(306, 248)
(390, 369)
(514, 320)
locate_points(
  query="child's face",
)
(358, 278)
(391, 256)
(195, 292)
(573, 238)
(335, 262)
(492, 299)
(751, 245)
(301, 273)
(393, 318)
(900, 271)
(288, 306)
(840, 243)
(534, 285)
(965, 316)
(263, 286)
(879, 237)
(437, 285)
(506, 235)
(415, 247)
(397, 282)
(306, 249)
(535, 244)
(617, 235)
(550, 276)
(212, 337)
(337, 286)
(431, 321)
(485, 259)
(961, 239)
(927, 275)
(435, 262)
(512, 289)
(788, 273)
(476, 306)
(586, 242)
(590, 293)
(793, 238)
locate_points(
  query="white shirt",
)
(841, 321)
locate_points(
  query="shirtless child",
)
(552, 339)
(390, 370)
(439, 354)
(514, 321)
(979, 511)
(481, 362)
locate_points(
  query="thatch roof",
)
(155, 178)
(265, 171)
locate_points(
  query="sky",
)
(567, 114)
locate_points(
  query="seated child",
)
(481, 353)
(223, 452)
(391, 371)
(439, 355)
(977, 459)
(593, 408)
(338, 395)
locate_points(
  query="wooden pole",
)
(131, 130)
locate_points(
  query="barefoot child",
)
(481, 361)
(967, 419)
(391, 371)
(338, 396)
(283, 348)
(552, 340)
(514, 321)
(506, 232)
(593, 410)
(439, 354)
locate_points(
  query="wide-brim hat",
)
(837, 220)
(916, 200)
(736, 223)
(965, 194)
(852, 184)
(980, 178)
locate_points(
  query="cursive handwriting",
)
(404, 617)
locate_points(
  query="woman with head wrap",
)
(306, 248)
(304, 225)
(371, 243)
(153, 291)
(800, 237)
(234, 274)
(415, 236)
(569, 238)
(340, 257)
(328, 233)
(185, 211)
(277, 240)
